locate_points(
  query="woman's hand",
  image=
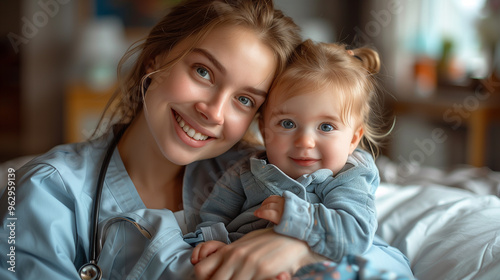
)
(261, 254)
(205, 249)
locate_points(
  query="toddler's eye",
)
(245, 101)
(204, 73)
(287, 124)
(326, 127)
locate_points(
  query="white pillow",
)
(447, 233)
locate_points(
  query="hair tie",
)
(351, 53)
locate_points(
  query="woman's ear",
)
(356, 138)
(151, 66)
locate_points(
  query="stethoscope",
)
(90, 270)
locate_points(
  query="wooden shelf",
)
(83, 109)
(475, 111)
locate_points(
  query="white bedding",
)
(446, 223)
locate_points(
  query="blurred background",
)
(440, 75)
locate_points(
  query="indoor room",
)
(437, 174)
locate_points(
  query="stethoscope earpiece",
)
(90, 271)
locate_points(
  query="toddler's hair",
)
(348, 73)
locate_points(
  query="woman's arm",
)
(39, 230)
(261, 254)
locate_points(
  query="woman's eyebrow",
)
(256, 91)
(212, 59)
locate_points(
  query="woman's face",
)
(204, 104)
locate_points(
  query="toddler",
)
(317, 178)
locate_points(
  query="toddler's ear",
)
(358, 134)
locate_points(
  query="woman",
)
(193, 91)
(195, 87)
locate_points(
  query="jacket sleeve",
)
(344, 223)
(201, 176)
(221, 207)
(38, 234)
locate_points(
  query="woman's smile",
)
(188, 134)
(189, 130)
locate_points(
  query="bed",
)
(446, 223)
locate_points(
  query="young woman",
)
(192, 92)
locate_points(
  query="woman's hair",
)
(347, 73)
(194, 19)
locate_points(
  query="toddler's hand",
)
(271, 209)
(205, 249)
(284, 276)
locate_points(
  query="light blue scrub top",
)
(51, 222)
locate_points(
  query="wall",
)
(10, 116)
(44, 63)
(41, 36)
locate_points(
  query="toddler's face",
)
(304, 133)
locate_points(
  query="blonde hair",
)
(194, 19)
(348, 73)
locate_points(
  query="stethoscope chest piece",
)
(90, 271)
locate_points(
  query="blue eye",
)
(326, 127)
(245, 101)
(287, 124)
(204, 73)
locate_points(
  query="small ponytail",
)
(369, 58)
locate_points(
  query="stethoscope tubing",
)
(91, 270)
(97, 201)
(95, 240)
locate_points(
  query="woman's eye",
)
(287, 124)
(326, 127)
(204, 73)
(245, 101)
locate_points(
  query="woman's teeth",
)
(190, 131)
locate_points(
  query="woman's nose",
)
(213, 110)
(305, 140)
